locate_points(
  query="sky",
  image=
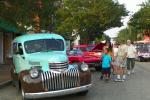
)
(132, 6)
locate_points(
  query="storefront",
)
(5, 47)
(7, 34)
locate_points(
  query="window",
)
(15, 48)
(20, 50)
(44, 45)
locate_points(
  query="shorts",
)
(106, 70)
(120, 62)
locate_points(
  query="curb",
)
(6, 83)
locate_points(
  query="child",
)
(106, 64)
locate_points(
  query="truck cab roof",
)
(28, 37)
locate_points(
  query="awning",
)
(8, 27)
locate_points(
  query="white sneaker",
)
(117, 80)
(129, 72)
(124, 77)
(122, 80)
(118, 77)
(132, 72)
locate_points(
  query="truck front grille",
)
(58, 65)
(57, 81)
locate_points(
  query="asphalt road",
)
(137, 87)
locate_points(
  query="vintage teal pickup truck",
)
(41, 69)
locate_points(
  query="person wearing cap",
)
(131, 55)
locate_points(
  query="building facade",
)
(5, 46)
(7, 33)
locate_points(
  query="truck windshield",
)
(44, 45)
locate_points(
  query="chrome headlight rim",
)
(84, 67)
(34, 73)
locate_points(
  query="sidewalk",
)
(5, 75)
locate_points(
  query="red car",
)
(76, 56)
(91, 57)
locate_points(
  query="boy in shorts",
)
(106, 64)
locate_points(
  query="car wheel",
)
(140, 59)
(84, 93)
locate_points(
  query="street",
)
(137, 87)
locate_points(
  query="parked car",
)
(84, 47)
(77, 55)
(143, 51)
(96, 53)
(41, 67)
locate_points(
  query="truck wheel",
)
(140, 59)
(84, 93)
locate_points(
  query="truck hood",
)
(51, 57)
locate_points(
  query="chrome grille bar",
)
(58, 65)
(56, 81)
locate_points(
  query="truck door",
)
(17, 56)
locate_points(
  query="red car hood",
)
(95, 52)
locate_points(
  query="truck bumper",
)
(57, 93)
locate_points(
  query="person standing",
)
(130, 54)
(106, 64)
(109, 48)
(120, 63)
(115, 50)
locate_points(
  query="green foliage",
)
(141, 19)
(21, 12)
(137, 25)
(89, 17)
(129, 33)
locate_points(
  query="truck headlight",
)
(34, 73)
(84, 67)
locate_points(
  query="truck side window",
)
(15, 48)
(20, 50)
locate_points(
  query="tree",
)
(89, 17)
(21, 13)
(141, 20)
(129, 33)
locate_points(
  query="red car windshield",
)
(85, 47)
(76, 52)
